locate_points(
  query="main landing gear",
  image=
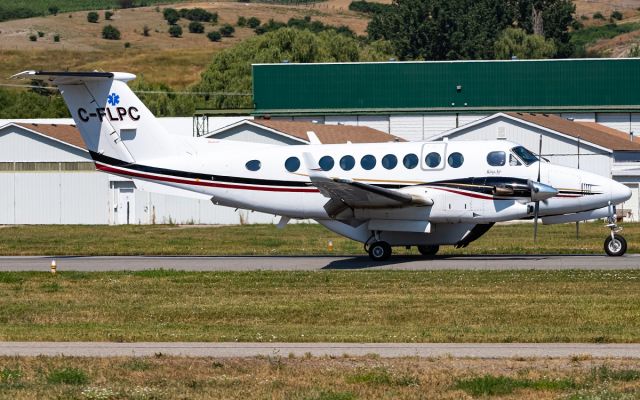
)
(380, 250)
(614, 245)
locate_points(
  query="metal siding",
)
(253, 134)
(7, 198)
(341, 120)
(37, 198)
(619, 121)
(524, 84)
(408, 127)
(583, 117)
(84, 198)
(21, 145)
(464, 119)
(438, 123)
(379, 122)
(635, 124)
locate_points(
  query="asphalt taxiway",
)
(223, 350)
(311, 263)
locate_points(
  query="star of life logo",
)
(113, 99)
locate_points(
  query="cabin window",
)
(326, 163)
(389, 161)
(253, 165)
(433, 159)
(497, 158)
(455, 160)
(347, 163)
(525, 155)
(410, 161)
(292, 164)
(368, 162)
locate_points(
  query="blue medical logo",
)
(113, 99)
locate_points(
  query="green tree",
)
(253, 22)
(227, 30)
(163, 102)
(214, 36)
(516, 42)
(93, 17)
(196, 27)
(242, 21)
(108, 15)
(175, 31)
(53, 10)
(171, 15)
(230, 70)
(467, 29)
(110, 32)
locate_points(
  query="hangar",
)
(577, 144)
(417, 100)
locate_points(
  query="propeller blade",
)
(539, 156)
(535, 221)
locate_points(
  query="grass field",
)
(331, 306)
(295, 239)
(344, 378)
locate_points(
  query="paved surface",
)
(542, 262)
(478, 350)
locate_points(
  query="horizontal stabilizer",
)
(71, 78)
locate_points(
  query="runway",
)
(225, 350)
(196, 263)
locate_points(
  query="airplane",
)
(423, 194)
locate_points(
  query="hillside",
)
(159, 57)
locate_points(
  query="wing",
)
(346, 193)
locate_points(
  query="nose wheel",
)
(615, 245)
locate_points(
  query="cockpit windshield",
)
(525, 155)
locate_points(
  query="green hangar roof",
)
(447, 86)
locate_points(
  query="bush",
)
(171, 15)
(126, 3)
(227, 30)
(196, 27)
(146, 30)
(110, 32)
(368, 8)
(56, 38)
(33, 37)
(175, 31)
(53, 10)
(108, 15)
(214, 36)
(584, 17)
(616, 15)
(127, 45)
(253, 22)
(198, 14)
(16, 13)
(576, 25)
(40, 34)
(598, 15)
(93, 17)
(242, 21)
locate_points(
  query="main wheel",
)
(380, 251)
(616, 246)
(428, 250)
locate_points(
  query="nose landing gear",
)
(614, 245)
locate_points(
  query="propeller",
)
(536, 208)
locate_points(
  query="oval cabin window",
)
(433, 159)
(368, 162)
(326, 163)
(292, 164)
(455, 160)
(389, 161)
(410, 161)
(347, 163)
(253, 165)
(497, 158)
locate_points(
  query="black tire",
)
(428, 250)
(380, 251)
(615, 247)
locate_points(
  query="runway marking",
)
(239, 349)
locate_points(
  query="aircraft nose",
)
(619, 192)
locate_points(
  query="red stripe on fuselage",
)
(162, 178)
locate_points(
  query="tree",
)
(110, 32)
(253, 22)
(125, 3)
(214, 36)
(171, 15)
(175, 31)
(242, 21)
(616, 15)
(227, 30)
(230, 70)
(467, 29)
(93, 17)
(108, 15)
(516, 42)
(53, 10)
(196, 27)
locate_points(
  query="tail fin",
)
(112, 120)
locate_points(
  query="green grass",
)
(295, 239)
(68, 376)
(326, 306)
(311, 378)
(586, 36)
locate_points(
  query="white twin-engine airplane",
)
(423, 194)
